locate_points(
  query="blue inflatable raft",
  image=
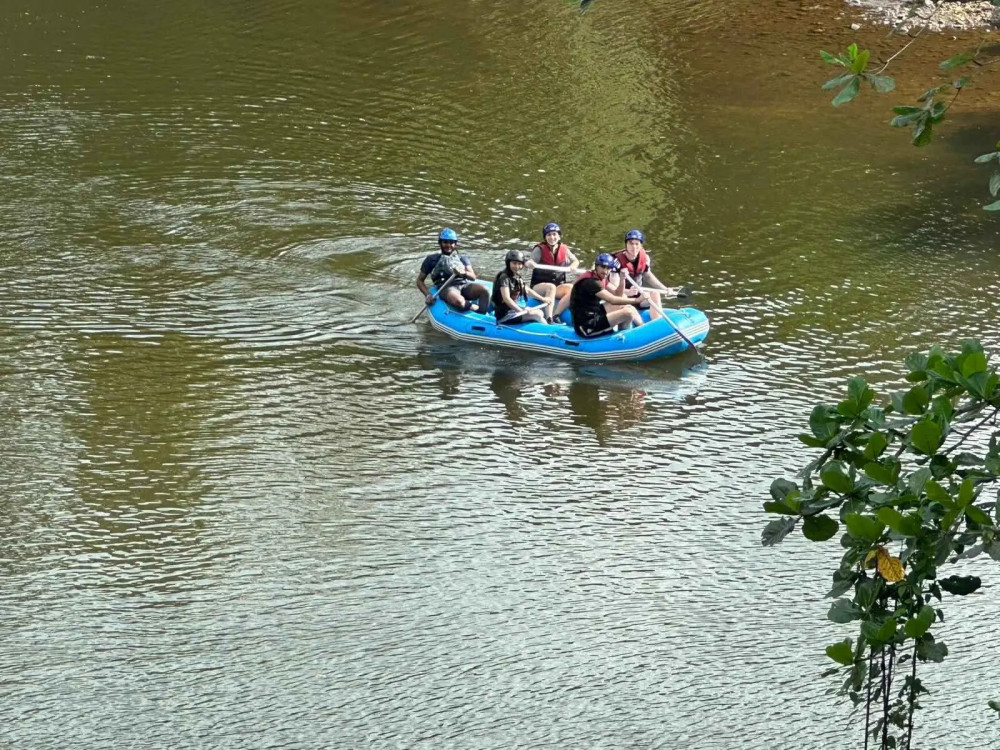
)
(649, 341)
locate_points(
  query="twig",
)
(913, 697)
(915, 37)
(981, 422)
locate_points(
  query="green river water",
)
(241, 509)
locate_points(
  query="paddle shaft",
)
(656, 305)
(679, 293)
(435, 296)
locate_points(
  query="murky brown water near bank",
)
(241, 510)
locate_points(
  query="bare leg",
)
(626, 317)
(562, 294)
(453, 297)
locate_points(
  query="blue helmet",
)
(635, 234)
(606, 260)
(551, 227)
(447, 235)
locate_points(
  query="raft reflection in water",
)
(605, 410)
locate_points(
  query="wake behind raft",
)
(652, 340)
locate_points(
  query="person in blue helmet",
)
(461, 293)
(551, 251)
(595, 309)
(635, 260)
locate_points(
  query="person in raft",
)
(552, 252)
(635, 260)
(461, 292)
(510, 296)
(597, 311)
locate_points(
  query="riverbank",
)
(909, 15)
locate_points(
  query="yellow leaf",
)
(870, 559)
(890, 568)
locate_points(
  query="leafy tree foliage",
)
(933, 103)
(905, 485)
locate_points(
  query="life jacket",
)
(636, 268)
(516, 291)
(548, 258)
(446, 265)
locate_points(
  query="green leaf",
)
(918, 625)
(860, 62)
(960, 585)
(982, 159)
(842, 653)
(863, 527)
(916, 400)
(978, 515)
(994, 206)
(938, 494)
(847, 93)
(965, 492)
(882, 84)
(976, 361)
(838, 81)
(833, 476)
(994, 184)
(827, 57)
(822, 423)
(883, 473)
(876, 444)
(877, 633)
(776, 530)
(995, 705)
(842, 581)
(781, 507)
(867, 593)
(843, 611)
(960, 59)
(928, 94)
(918, 479)
(908, 525)
(926, 437)
(923, 133)
(961, 83)
(781, 488)
(819, 528)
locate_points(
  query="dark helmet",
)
(606, 260)
(551, 227)
(513, 255)
(447, 235)
(635, 234)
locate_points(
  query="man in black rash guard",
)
(590, 317)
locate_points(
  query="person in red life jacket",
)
(552, 252)
(461, 292)
(596, 310)
(510, 296)
(635, 260)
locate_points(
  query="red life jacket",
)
(548, 259)
(635, 268)
(540, 276)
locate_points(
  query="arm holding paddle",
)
(654, 304)
(431, 297)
